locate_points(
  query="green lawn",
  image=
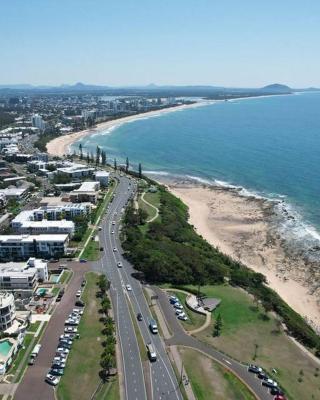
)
(65, 277)
(249, 335)
(109, 391)
(209, 380)
(34, 327)
(195, 320)
(152, 198)
(92, 251)
(81, 376)
(27, 348)
(55, 290)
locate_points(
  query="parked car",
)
(262, 375)
(31, 360)
(70, 329)
(254, 368)
(139, 317)
(52, 380)
(62, 350)
(276, 391)
(101, 248)
(183, 317)
(56, 371)
(77, 311)
(179, 312)
(57, 364)
(79, 303)
(83, 283)
(71, 322)
(269, 383)
(280, 397)
(61, 359)
(173, 299)
(78, 294)
(178, 306)
(83, 260)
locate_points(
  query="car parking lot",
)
(270, 384)
(178, 307)
(33, 385)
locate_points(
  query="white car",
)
(178, 306)
(77, 311)
(119, 264)
(115, 249)
(52, 380)
(62, 350)
(100, 228)
(70, 329)
(183, 317)
(129, 288)
(179, 312)
(78, 294)
(112, 232)
(60, 359)
(113, 222)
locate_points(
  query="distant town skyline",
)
(235, 44)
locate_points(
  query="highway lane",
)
(163, 379)
(132, 367)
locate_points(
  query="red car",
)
(280, 397)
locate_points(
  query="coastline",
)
(242, 227)
(60, 146)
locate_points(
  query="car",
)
(52, 380)
(139, 317)
(62, 350)
(77, 311)
(262, 375)
(56, 371)
(100, 228)
(101, 249)
(83, 283)
(58, 364)
(64, 345)
(62, 266)
(173, 299)
(115, 249)
(119, 264)
(59, 359)
(113, 222)
(276, 391)
(129, 288)
(183, 317)
(31, 360)
(269, 383)
(79, 303)
(280, 397)
(65, 341)
(178, 306)
(112, 232)
(83, 260)
(70, 329)
(254, 368)
(71, 322)
(78, 294)
(179, 312)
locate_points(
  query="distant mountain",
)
(276, 88)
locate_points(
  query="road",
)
(180, 337)
(163, 382)
(33, 386)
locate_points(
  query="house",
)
(88, 191)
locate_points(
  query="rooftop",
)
(31, 238)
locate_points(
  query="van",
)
(153, 326)
(151, 352)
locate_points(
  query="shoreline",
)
(243, 228)
(60, 146)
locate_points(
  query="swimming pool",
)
(54, 278)
(5, 347)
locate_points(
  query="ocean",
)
(267, 147)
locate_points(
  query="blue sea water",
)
(269, 146)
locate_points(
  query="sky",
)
(233, 43)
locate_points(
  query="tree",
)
(127, 164)
(140, 170)
(115, 164)
(98, 154)
(80, 151)
(88, 158)
(103, 157)
(217, 326)
(92, 158)
(107, 362)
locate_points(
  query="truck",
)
(34, 354)
(153, 326)
(151, 352)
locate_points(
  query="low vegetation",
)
(171, 251)
(209, 380)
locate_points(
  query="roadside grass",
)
(109, 391)
(92, 251)
(195, 320)
(55, 290)
(65, 277)
(26, 349)
(250, 335)
(81, 376)
(33, 327)
(152, 198)
(209, 380)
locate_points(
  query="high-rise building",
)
(38, 122)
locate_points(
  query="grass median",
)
(81, 377)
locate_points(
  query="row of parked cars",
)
(65, 341)
(266, 381)
(179, 310)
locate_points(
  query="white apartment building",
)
(7, 310)
(38, 122)
(88, 191)
(21, 247)
(67, 211)
(23, 276)
(102, 177)
(25, 223)
(76, 171)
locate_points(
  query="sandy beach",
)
(60, 146)
(241, 227)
